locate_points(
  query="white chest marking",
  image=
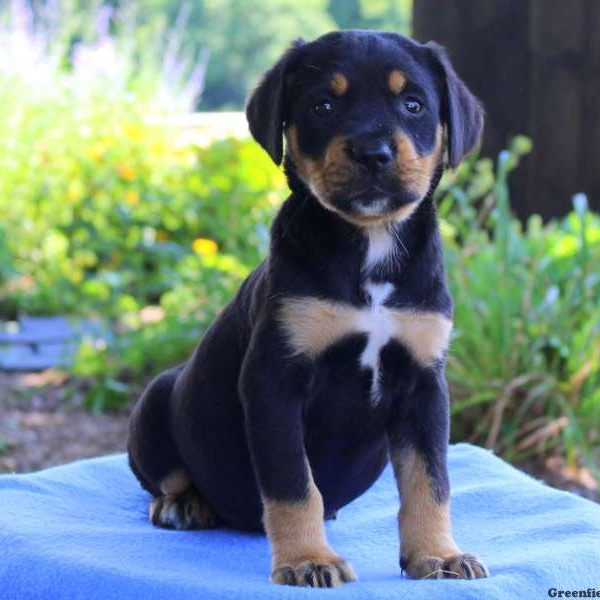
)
(380, 247)
(379, 326)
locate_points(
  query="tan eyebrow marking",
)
(338, 84)
(312, 325)
(396, 81)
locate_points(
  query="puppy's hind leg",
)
(181, 506)
(155, 461)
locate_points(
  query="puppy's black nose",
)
(373, 154)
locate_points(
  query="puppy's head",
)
(365, 115)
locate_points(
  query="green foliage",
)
(147, 341)
(239, 39)
(102, 205)
(387, 15)
(246, 38)
(5, 257)
(109, 214)
(524, 365)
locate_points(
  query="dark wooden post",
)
(536, 66)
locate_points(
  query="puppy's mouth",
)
(373, 205)
(371, 200)
(371, 208)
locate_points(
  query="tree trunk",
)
(535, 64)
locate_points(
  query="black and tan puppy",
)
(330, 359)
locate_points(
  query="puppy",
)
(330, 359)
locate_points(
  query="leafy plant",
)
(524, 365)
(110, 210)
(121, 220)
(102, 209)
(156, 337)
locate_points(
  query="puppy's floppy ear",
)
(461, 110)
(265, 109)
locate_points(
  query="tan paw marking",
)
(317, 573)
(459, 566)
(184, 511)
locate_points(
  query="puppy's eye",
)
(412, 105)
(323, 108)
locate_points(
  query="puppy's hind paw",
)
(459, 566)
(318, 573)
(183, 511)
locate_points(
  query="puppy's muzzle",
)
(374, 156)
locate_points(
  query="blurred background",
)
(133, 203)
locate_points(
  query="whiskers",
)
(386, 249)
(394, 230)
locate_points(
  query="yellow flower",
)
(98, 150)
(157, 148)
(134, 132)
(75, 191)
(132, 197)
(127, 172)
(566, 246)
(205, 247)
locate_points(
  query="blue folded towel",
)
(82, 531)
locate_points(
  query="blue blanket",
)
(82, 531)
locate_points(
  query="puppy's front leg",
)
(418, 449)
(301, 554)
(273, 390)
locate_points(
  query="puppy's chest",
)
(315, 327)
(350, 335)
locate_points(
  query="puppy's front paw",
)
(315, 573)
(458, 566)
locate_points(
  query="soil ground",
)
(43, 423)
